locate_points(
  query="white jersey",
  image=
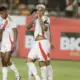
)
(8, 35)
(70, 5)
(41, 48)
(38, 29)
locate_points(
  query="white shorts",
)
(5, 48)
(40, 50)
(6, 43)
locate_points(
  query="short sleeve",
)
(12, 22)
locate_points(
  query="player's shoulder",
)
(46, 18)
(12, 22)
(10, 18)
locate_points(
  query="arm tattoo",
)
(30, 25)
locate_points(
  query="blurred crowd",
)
(58, 8)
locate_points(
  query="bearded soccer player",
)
(8, 37)
(41, 47)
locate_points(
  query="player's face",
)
(40, 11)
(3, 14)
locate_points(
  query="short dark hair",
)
(3, 8)
(34, 10)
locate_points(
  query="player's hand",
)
(13, 47)
(39, 16)
(35, 16)
(52, 46)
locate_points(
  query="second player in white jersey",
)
(8, 34)
(8, 37)
(41, 47)
(38, 30)
(36, 51)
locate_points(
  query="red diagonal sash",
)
(5, 24)
(70, 3)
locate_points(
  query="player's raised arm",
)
(33, 14)
(30, 25)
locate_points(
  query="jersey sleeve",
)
(13, 23)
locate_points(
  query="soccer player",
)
(41, 47)
(8, 37)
